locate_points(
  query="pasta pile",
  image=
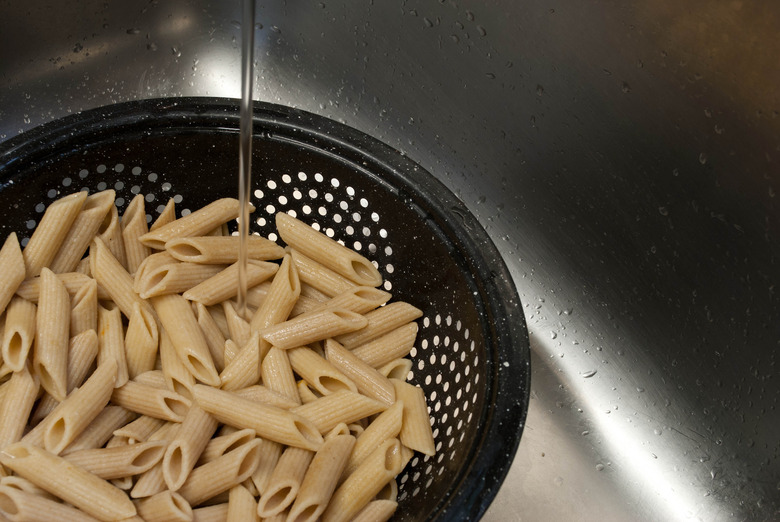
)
(133, 389)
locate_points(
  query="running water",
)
(245, 146)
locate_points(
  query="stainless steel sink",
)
(623, 156)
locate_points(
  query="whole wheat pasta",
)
(51, 231)
(83, 312)
(242, 506)
(221, 285)
(381, 321)
(113, 278)
(230, 351)
(376, 511)
(215, 513)
(221, 474)
(174, 278)
(315, 295)
(168, 215)
(342, 406)
(244, 368)
(112, 342)
(221, 444)
(277, 374)
(222, 250)
(416, 430)
(318, 276)
(389, 491)
(13, 269)
(73, 282)
(148, 400)
(330, 253)
(321, 479)
(18, 333)
(101, 428)
(179, 321)
(22, 484)
(21, 392)
(390, 346)
(285, 481)
(152, 263)
(133, 227)
(140, 429)
(218, 314)
(195, 224)
(119, 461)
(305, 392)
(67, 481)
(269, 422)
(167, 506)
(256, 295)
(154, 378)
(19, 505)
(319, 373)
(386, 426)
(259, 393)
(214, 338)
(270, 452)
(142, 339)
(78, 237)
(313, 326)
(396, 369)
(184, 450)
(111, 234)
(176, 375)
(152, 482)
(237, 325)
(50, 354)
(358, 299)
(83, 267)
(369, 382)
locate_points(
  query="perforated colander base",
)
(471, 344)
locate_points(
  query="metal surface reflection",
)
(622, 156)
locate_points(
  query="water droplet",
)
(481, 30)
(470, 16)
(703, 158)
(589, 373)
(657, 431)
(626, 88)
(133, 31)
(490, 76)
(539, 90)
(558, 481)
(586, 432)
(663, 211)
(553, 335)
(454, 38)
(599, 466)
(428, 22)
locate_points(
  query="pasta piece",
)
(142, 339)
(270, 452)
(341, 406)
(154, 378)
(167, 506)
(318, 276)
(222, 286)
(155, 402)
(327, 251)
(112, 343)
(179, 321)
(174, 278)
(244, 368)
(67, 481)
(386, 426)
(321, 479)
(285, 481)
(269, 422)
(51, 232)
(277, 374)
(83, 313)
(222, 250)
(221, 474)
(168, 215)
(214, 338)
(218, 314)
(256, 295)
(237, 325)
(416, 430)
(13, 269)
(381, 321)
(20, 394)
(18, 333)
(79, 408)
(397, 369)
(215, 513)
(306, 393)
(381, 466)
(388, 347)
(140, 429)
(369, 382)
(230, 351)
(112, 276)
(83, 267)
(133, 227)
(318, 372)
(260, 393)
(78, 237)
(390, 490)
(153, 263)
(152, 482)
(221, 444)
(313, 326)
(376, 511)
(184, 450)
(19, 505)
(317, 296)
(358, 299)
(100, 429)
(50, 354)
(242, 506)
(120, 461)
(195, 224)
(73, 282)
(176, 375)
(111, 234)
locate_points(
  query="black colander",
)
(471, 355)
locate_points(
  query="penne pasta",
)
(313, 326)
(73, 282)
(195, 224)
(358, 299)
(277, 374)
(152, 263)
(21, 392)
(140, 429)
(83, 312)
(168, 215)
(111, 234)
(270, 452)
(319, 277)
(119, 461)
(285, 481)
(381, 321)
(221, 285)
(386, 426)
(330, 253)
(260, 393)
(147, 400)
(18, 333)
(173, 278)
(100, 429)
(176, 376)
(416, 430)
(390, 346)
(368, 381)
(133, 227)
(50, 353)
(184, 450)
(12, 267)
(215, 513)
(19, 506)
(141, 342)
(113, 278)
(237, 325)
(244, 369)
(397, 369)
(376, 511)
(214, 338)
(242, 506)
(79, 235)
(221, 250)
(67, 481)
(305, 392)
(319, 373)
(221, 444)
(167, 506)
(51, 232)
(111, 340)
(342, 406)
